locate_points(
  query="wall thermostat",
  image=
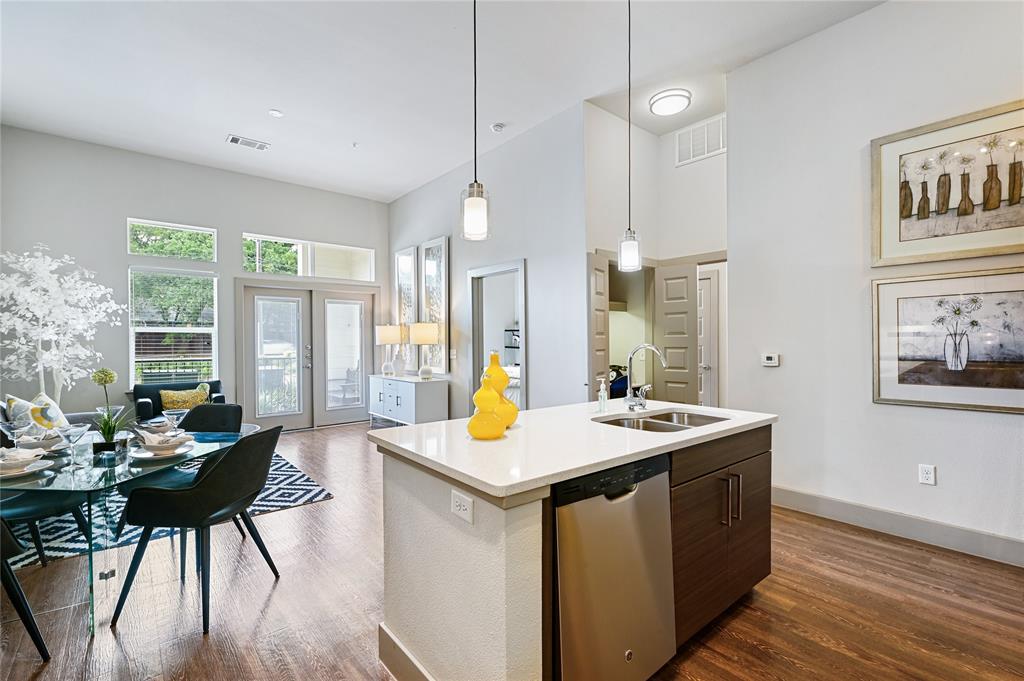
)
(770, 359)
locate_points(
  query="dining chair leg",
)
(21, 606)
(183, 549)
(140, 550)
(205, 534)
(120, 525)
(238, 526)
(33, 527)
(251, 526)
(199, 551)
(83, 524)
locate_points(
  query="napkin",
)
(157, 427)
(17, 458)
(160, 440)
(33, 442)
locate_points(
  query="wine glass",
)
(72, 434)
(13, 432)
(173, 416)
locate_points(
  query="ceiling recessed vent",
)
(246, 142)
(700, 140)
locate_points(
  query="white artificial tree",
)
(50, 311)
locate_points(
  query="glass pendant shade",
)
(475, 209)
(629, 252)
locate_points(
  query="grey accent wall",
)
(536, 182)
(75, 197)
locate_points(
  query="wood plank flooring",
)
(842, 602)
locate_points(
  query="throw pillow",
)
(39, 415)
(185, 399)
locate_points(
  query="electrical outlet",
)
(462, 506)
(926, 473)
(451, 354)
(770, 359)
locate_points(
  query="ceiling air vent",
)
(700, 140)
(246, 142)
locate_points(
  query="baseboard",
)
(399, 661)
(974, 542)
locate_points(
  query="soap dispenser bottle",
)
(602, 398)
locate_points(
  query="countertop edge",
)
(500, 492)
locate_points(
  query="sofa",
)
(147, 396)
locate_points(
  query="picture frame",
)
(433, 300)
(953, 341)
(405, 287)
(919, 178)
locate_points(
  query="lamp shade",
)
(424, 333)
(389, 334)
(629, 252)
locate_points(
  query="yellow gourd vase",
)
(507, 409)
(485, 423)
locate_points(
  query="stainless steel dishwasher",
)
(616, 610)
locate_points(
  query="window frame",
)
(306, 257)
(214, 330)
(168, 225)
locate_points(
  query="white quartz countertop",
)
(550, 445)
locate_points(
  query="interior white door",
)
(707, 338)
(277, 356)
(597, 323)
(675, 332)
(342, 356)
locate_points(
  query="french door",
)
(306, 355)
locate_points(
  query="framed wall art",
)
(950, 189)
(434, 300)
(951, 340)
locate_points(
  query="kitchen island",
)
(469, 586)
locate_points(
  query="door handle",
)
(728, 501)
(307, 365)
(705, 367)
(739, 495)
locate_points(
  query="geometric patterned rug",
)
(286, 487)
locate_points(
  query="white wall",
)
(537, 201)
(76, 197)
(691, 203)
(800, 124)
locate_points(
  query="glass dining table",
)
(74, 470)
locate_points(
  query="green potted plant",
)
(110, 423)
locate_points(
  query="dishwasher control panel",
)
(610, 481)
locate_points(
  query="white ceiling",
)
(174, 78)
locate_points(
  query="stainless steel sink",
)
(645, 424)
(687, 419)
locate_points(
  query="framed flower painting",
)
(951, 189)
(951, 340)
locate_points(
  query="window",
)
(172, 321)
(274, 255)
(166, 240)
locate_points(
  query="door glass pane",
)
(343, 322)
(278, 343)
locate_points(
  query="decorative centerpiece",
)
(507, 410)
(485, 423)
(110, 422)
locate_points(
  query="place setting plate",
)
(34, 467)
(156, 455)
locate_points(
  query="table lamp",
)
(388, 335)
(425, 333)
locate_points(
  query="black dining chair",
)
(10, 547)
(32, 506)
(224, 487)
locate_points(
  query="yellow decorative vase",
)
(485, 423)
(507, 410)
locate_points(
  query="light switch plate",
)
(462, 506)
(451, 354)
(770, 359)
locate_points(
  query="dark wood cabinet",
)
(721, 528)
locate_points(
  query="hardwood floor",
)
(842, 602)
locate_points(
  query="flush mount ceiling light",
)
(475, 198)
(670, 102)
(629, 246)
(276, 113)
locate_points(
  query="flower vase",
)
(507, 409)
(942, 194)
(966, 206)
(1016, 182)
(992, 189)
(485, 423)
(906, 200)
(955, 351)
(924, 205)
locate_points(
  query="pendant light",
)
(475, 218)
(629, 246)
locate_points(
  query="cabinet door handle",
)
(728, 501)
(398, 400)
(739, 495)
(380, 397)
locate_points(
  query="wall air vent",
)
(246, 142)
(700, 140)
